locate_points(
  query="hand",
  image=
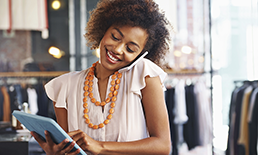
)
(54, 149)
(85, 142)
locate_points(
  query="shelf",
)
(32, 74)
(183, 72)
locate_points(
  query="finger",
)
(75, 152)
(37, 137)
(40, 141)
(81, 142)
(48, 138)
(61, 145)
(73, 133)
(76, 135)
(68, 148)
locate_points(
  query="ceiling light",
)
(177, 53)
(55, 52)
(186, 49)
(56, 4)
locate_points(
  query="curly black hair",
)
(143, 13)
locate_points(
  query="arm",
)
(61, 117)
(157, 124)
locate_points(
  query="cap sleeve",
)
(56, 90)
(141, 70)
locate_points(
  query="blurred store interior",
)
(214, 42)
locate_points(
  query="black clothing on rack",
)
(24, 94)
(170, 102)
(253, 125)
(43, 100)
(191, 128)
(1, 105)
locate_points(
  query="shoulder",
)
(145, 69)
(65, 79)
(148, 65)
(70, 75)
(148, 68)
(58, 87)
(74, 74)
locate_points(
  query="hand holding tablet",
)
(40, 124)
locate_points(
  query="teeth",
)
(111, 57)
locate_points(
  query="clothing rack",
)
(245, 81)
(188, 75)
(239, 83)
(32, 74)
(243, 118)
(20, 87)
(184, 97)
(184, 72)
(27, 77)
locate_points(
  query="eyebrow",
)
(123, 37)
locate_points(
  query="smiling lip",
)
(111, 57)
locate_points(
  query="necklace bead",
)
(97, 103)
(112, 105)
(101, 125)
(88, 88)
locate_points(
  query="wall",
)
(14, 51)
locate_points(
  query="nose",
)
(118, 49)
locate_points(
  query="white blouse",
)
(128, 122)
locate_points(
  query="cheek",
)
(130, 57)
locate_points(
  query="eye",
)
(113, 36)
(129, 50)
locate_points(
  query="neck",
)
(102, 73)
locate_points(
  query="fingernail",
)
(66, 140)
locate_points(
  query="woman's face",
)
(121, 45)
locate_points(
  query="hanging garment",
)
(42, 100)
(13, 98)
(170, 102)
(33, 100)
(6, 105)
(204, 112)
(236, 125)
(180, 109)
(191, 127)
(23, 15)
(230, 146)
(251, 109)
(243, 139)
(24, 94)
(180, 105)
(18, 88)
(1, 106)
(253, 122)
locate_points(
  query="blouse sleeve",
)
(56, 90)
(141, 70)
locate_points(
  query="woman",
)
(117, 105)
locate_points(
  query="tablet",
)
(39, 124)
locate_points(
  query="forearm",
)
(151, 145)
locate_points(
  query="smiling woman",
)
(109, 107)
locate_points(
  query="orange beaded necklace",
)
(111, 96)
